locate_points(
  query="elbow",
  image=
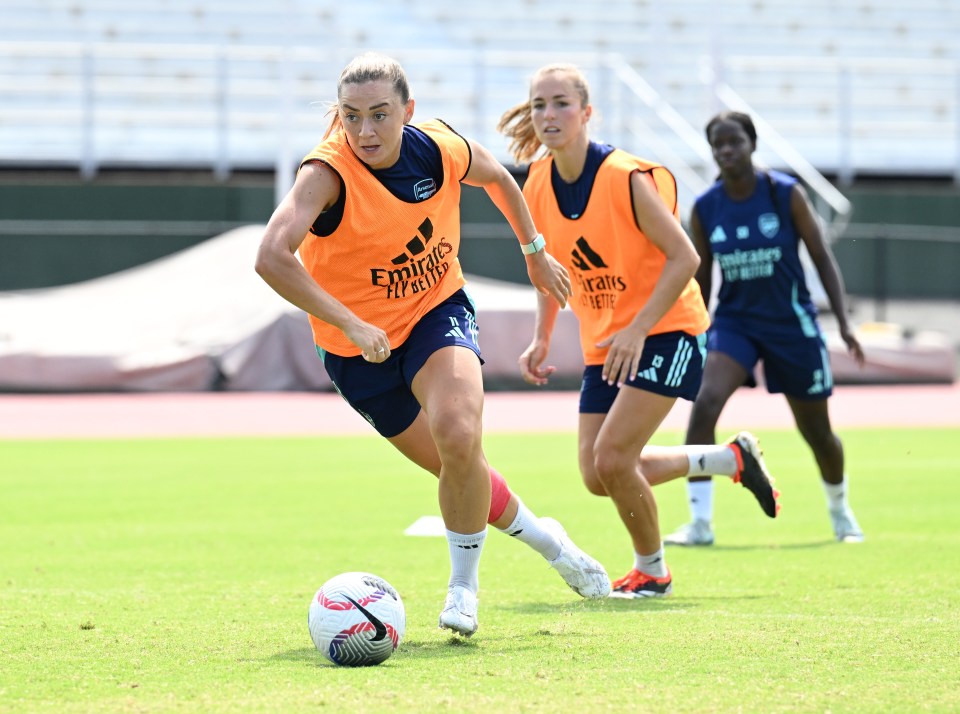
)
(693, 263)
(264, 262)
(260, 264)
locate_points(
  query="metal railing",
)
(852, 115)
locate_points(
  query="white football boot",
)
(583, 574)
(696, 532)
(460, 611)
(845, 526)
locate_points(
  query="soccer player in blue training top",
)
(752, 222)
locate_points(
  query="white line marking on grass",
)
(427, 526)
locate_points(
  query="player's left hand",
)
(548, 276)
(853, 345)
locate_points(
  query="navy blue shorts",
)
(381, 393)
(794, 363)
(671, 364)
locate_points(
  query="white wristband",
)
(535, 246)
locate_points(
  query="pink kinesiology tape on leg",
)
(499, 496)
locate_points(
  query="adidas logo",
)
(718, 235)
(649, 374)
(470, 324)
(585, 257)
(420, 267)
(416, 246)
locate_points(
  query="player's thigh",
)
(449, 387)
(635, 416)
(722, 376)
(416, 443)
(813, 419)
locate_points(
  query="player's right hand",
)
(530, 364)
(373, 342)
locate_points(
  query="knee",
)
(589, 474)
(821, 438)
(457, 437)
(592, 482)
(613, 467)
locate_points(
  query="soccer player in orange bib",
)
(375, 215)
(611, 218)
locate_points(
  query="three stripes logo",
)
(416, 245)
(599, 287)
(418, 268)
(455, 330)
(584, 257)
(470, 325)
(678, 367)
(649, 374)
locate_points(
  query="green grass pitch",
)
(175, 575)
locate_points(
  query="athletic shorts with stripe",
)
(671, 364)
(381, 393)
(795, 358)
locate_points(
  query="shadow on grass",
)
(448, 647)
(609, 604)
(767, 546)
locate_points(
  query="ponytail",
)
(517, 126)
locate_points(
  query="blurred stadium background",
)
(133, 132)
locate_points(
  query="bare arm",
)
(666, 233)
(809, 228)
(704, 275)
(316, 189)
(546, 274)
(531, 360)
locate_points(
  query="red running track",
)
(82, 416)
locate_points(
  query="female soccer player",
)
(611, 218)
(752, 222)
(375, 215)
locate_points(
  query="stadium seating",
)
(855, 87)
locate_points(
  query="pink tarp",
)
(203, 320)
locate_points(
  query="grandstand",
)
(855, 86)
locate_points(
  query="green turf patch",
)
(175, 575)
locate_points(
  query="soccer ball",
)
(356, 619)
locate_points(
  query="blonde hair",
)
(516, 124)
(368, 67)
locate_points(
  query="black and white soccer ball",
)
(356, 619)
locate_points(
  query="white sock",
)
(465, 553)
(836, 494)
(652, 564)
(711, 460)
(700, 496)
(526, 528)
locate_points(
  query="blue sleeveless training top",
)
(756, 245)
